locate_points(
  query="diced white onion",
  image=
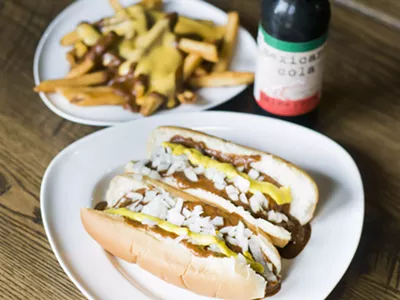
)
(137, 167)
(214, 248)
(232, 241)
(137, 177)
(226, 229)
(261, 178)
(175, 217)
(199, 170)
(254, 174)
(195, 228)
(139, 208)
(134, 196)
(277, 217)
(255, 249)
(154, 175)
(173, 168)
(220, 186)
(256, 201)
(232, 231)
(230, 189)
(248, 233)
(168, 199)
(190, 174)
(219, 177)
(198, 210)
(218, 221)
(156, 208)
(149, 222)
(243, 198)
(156, 162)
(210, 173)
(145, 171)
(241, 183)
(233, 197)
(186, 213)
(179, 204)
(240, 230)
(163, 167)
(240, 168)
(244, 244)
(149, 196)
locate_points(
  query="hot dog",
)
(275, 196)
(184, 240)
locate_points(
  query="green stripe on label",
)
(293, 47)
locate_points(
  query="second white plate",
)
(50, 62)
(80, 174)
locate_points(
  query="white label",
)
(288, 76)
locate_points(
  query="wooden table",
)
(360, 110)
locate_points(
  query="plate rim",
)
(81, 120)
(76, 143)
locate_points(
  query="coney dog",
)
(277, 197)
(183, 240)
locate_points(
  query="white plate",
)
(50, 62)
(79, 175)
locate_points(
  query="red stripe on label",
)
(288, 108)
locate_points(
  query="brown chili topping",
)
(236, 160)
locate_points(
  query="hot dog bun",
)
(304, 191)
(120, 185)
(226, 278)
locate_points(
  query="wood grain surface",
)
(360, 110)
(385, 11)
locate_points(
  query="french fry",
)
(200, 71)
(109, 21)
(151, 103)
(93, 55)
(92, 96)
(50, 86)
(80, 49)
(191, 62)
(151, 71)
(222, 79)
(140, 85)
(140, 100)
(116, 5)
(171, 102)
(229, 42)
(152, 4)
(126, 49)
(207, 51)
(189, 26)
(69, 39)
(138, 13)
(144, 43)
(82, 68)
(70, 56)
(187, 97)
(147, 40)
(88, 34)
(125, 28)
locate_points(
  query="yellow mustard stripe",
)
(201, 239)
(280, 195)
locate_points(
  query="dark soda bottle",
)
(291, 39)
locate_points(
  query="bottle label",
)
(289, 75)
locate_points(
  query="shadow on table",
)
(380, 230)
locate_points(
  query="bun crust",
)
(210, 276)
(304, 189)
